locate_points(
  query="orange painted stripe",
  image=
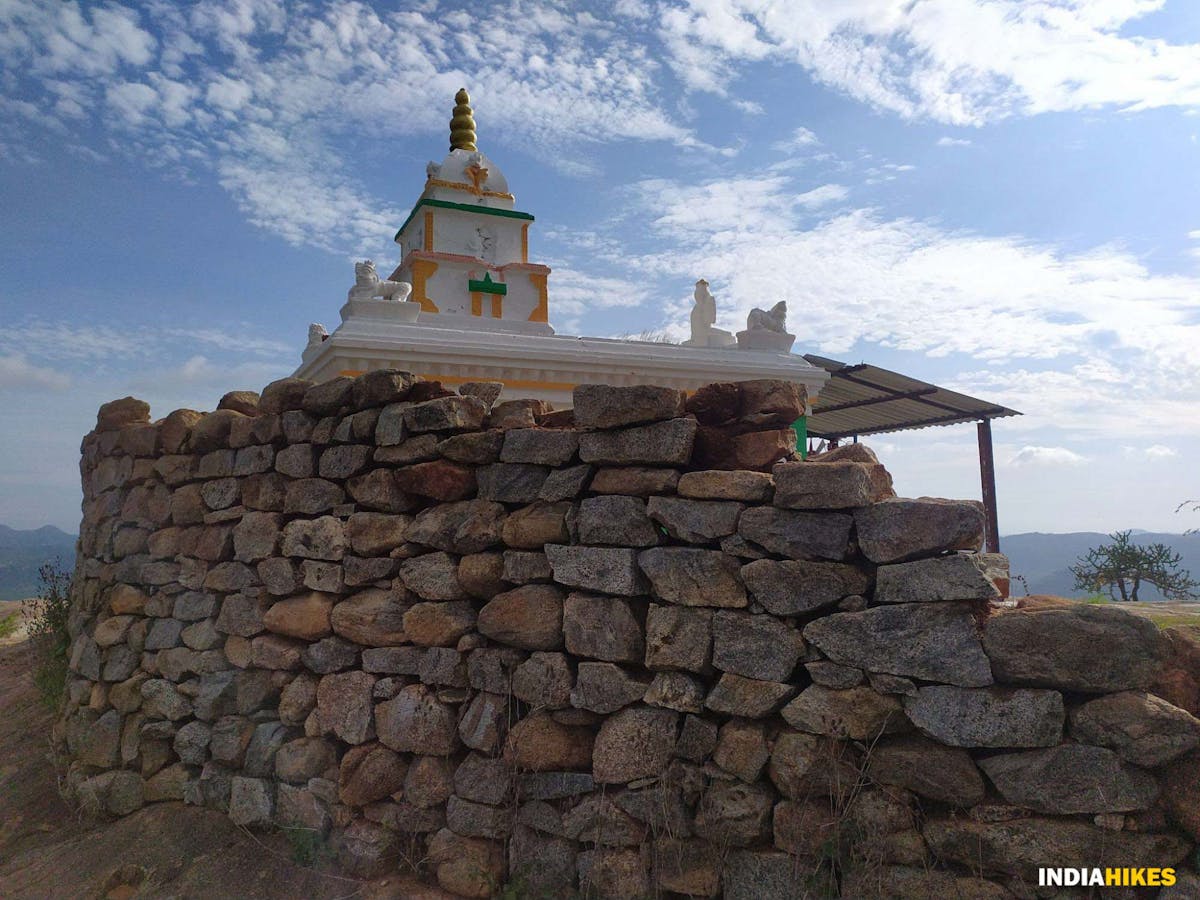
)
(516, 383)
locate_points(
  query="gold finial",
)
(462, 124)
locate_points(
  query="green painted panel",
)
(462, 207)
(487, 286)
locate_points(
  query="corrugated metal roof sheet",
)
(863, 399)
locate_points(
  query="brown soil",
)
(48, 850)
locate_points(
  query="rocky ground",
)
(48, 850)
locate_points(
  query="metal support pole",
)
(987, 478)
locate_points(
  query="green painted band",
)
(486, 287)
(462, 207)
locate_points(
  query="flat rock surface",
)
(1075, 647)
(1070, 778)
(930, 641)
(987, 717)
(1021, 846)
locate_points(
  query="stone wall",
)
(620, 650)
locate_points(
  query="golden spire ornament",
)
(462, 124)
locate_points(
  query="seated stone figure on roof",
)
(767, 330)
(704, 316)
(369, 286)
(773, 320)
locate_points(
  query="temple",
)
(466, 244)
(466, 304)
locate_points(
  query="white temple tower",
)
(465, 247)
(466, 304)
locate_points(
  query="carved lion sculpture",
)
(775, 320)
(368, 285)
(316, 333)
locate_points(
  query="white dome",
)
(466, 167)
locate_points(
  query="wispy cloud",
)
(241, 342)
(1047, 456)
(915, 285)
(822, 196)
(59, 340)
(17, 372)
(260, 92)
(964, 63)
(1099, 333)
(797, 140)
(1153, 453)
(577, 292)
(200, 381)
(52, 354)
(953, 142)
(1195, 250)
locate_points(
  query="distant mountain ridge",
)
(1044, 558)
(22, 553)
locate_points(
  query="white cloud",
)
(1096, 338)
(960, 62)
(886, 172)
(131, 101)
(822, 196)
(291, 80)
(1159, 451)
(749, 205)
(259, 92)
(750, 107)
(228, 94)
(1047, 456)
(108, 349)
(65, 41)
(199, 382)
(17, 372)
(953, 142)
(576, 293)
(241, 342)
(799, 139)
(913, 285)
(59, 341)
(1096, 398)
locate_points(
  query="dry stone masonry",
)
(635, 649)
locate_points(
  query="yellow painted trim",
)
(429, 231)
(476, 303)
(466, 188)
(541, 312)
(422, 271)
(515, 383)
(497, 306)
(525, 243)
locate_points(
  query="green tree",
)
(1122, 567)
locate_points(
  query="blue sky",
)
(1001, 197)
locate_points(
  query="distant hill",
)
(1043, 559)
(22, 553)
